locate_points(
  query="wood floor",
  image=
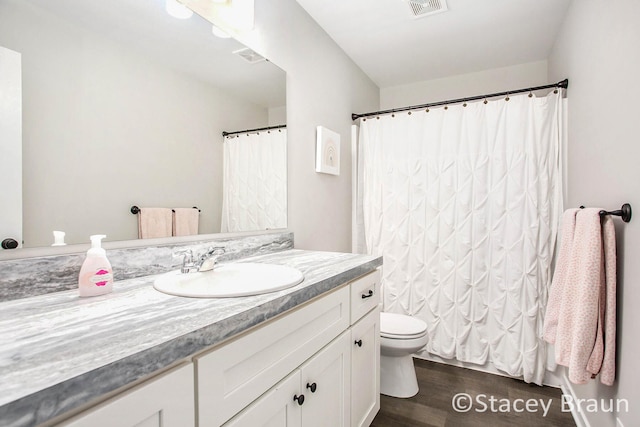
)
(439, 383)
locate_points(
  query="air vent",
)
(249, 55)
(421, 8)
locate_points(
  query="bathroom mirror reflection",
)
(125, 105)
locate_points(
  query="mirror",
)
(124, 105)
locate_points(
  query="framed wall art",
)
(327, 151)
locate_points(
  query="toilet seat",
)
(400, 326)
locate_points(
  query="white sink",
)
(231, 280)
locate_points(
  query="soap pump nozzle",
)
(96, 244)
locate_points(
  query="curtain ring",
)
(507, 98)
(377, 117)
(530, 94)
(426, 111)
(555, 91)
(464, 105)
(409, 113)
(446, 107)
(485, 101)
(393, 115)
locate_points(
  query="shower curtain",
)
(254, 193)
(463, 203)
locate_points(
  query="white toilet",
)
(400, 337)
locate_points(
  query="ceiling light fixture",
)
(178, 10)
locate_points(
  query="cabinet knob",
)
(9, 243)
(312, 387)
(358, 343)
(368, 295)
(299, 399)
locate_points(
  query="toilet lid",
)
(401, 326)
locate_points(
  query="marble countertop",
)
(59, 351)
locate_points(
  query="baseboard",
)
(578, 416)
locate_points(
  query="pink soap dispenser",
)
(96, 274)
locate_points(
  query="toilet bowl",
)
(400, 337)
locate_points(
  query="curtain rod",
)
(562, 84)
(225, 133)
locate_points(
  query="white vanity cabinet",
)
(166, 400)
(316, 366)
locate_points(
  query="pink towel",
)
(560, 276)
(185, 221)
(581, 312)
(154, 222)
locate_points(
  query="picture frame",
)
(327, 151)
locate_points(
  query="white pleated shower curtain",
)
(463, 203)
(254, 193)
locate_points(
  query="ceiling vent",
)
(249, 55)
(421, 8)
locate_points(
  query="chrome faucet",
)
(203, 262)
(207, 260)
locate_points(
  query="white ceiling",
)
(393, 47)
(185, 45)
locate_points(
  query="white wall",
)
(105, 129)
(323, 88)
(598, 49)
(277, 116)
(465, 85)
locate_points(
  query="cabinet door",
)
(365, 369)
(277, 408)
(165, 401)
(326, 384)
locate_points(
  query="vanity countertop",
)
(59, 351)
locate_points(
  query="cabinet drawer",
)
(234, 375)
(365, 295)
